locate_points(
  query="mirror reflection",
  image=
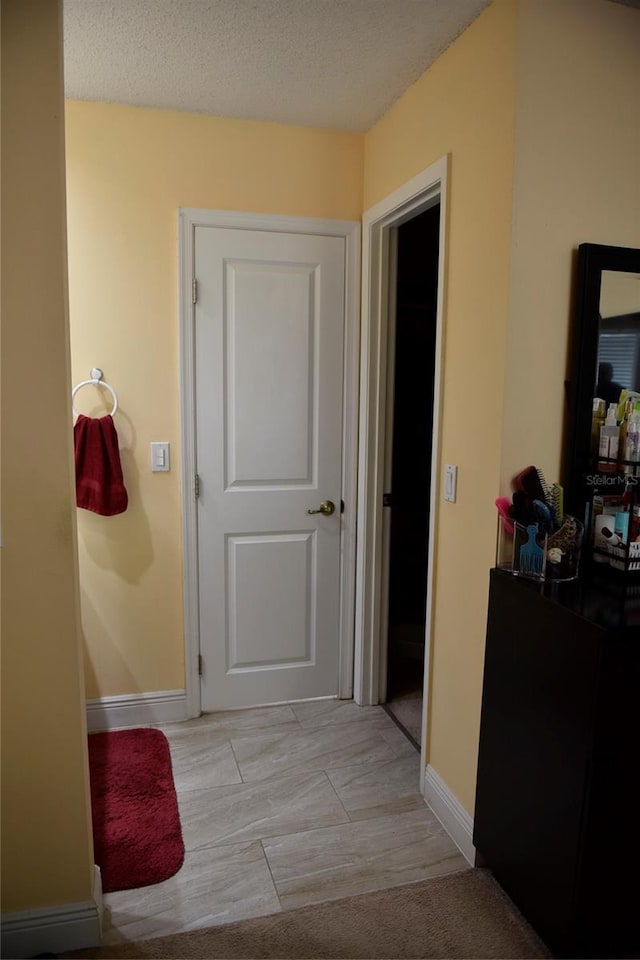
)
(618, 365)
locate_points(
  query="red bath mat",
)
(136, 825)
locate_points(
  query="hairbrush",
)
(544, 516)
(556, 503)
(521, 509)
(504, 507)
(529, 482)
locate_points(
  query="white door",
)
(269, 391)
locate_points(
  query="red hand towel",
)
(99, 484)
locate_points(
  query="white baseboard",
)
(450, 812)
(98, 898)
(136, 709)
(69, 926)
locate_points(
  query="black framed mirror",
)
(605, 355)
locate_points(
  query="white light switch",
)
(160, 461)
(450, 482)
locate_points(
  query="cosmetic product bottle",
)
(597, 421)
(621, 527)
(632, 444)
(609, 439)
(625, 412)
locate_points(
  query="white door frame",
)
(189, 219)
(418, 194)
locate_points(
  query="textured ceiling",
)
(325, 63)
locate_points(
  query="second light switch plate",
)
(450, 482)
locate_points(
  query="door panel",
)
(271, 370)
(269, 352)
(269, 630)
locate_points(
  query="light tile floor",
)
(285, 806)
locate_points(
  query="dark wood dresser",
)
(558, 790)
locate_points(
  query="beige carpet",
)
(463, 915)
(407, 710)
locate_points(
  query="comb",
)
(531, 556)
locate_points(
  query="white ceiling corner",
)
(324, 63)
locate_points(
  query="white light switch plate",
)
(450, 482)
(160, 457)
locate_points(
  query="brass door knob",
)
(327, 507)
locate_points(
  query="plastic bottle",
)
(609, 439)
(625, 411)
(597, 421)
(632, 444)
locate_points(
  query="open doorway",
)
(412, 342)
(381, 224)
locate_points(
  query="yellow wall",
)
(128, 172)
(577, 179)
(463, 105)
(566, 171)
(46, 847)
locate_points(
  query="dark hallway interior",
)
(415, 335)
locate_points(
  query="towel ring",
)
(96, 381)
